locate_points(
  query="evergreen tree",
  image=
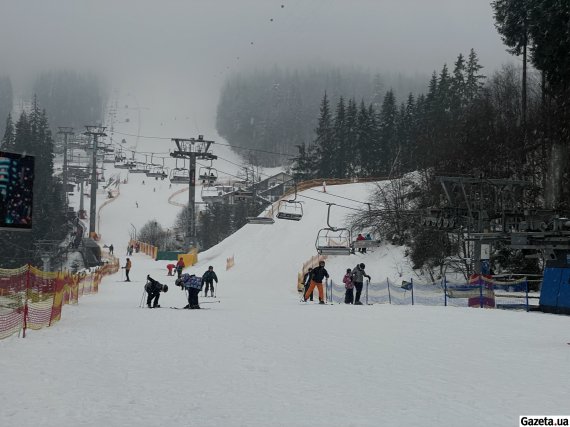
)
(474, 80)
(347, 151)
(8, 138)
(387, 134)
(324, 142)
(457, 85)
(6, 101)
(340, 141)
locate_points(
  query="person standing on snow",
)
(153, 289)
(349, 286)
(127, 268)
(359, 238)
(358, 275)
(179, 267)
(317, 276)
(111, 249)
(208, 279)
(307, 282)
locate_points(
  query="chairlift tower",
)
(65, 131)
(94, 131)
(192, 149)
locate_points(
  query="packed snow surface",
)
(259, 357)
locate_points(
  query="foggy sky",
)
(196, 43)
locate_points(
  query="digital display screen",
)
(16, 191)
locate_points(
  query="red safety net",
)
(31, 298)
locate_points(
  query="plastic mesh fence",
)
(478, 292)
(31, 298)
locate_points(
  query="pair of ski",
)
(201, 308)
(303, 302)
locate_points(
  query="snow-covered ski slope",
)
(261, 358)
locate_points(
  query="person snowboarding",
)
(307, 282)
(127, 268)
(208, 278)
(349, 286)
(193, 284)
(358, 275)
(317, 276)
(153, 289)
(179, 267)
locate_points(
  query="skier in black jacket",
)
(153, 289)
(208, 279)
(317, 276)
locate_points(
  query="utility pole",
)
(94, 131)
(65, 131)
(192, 149)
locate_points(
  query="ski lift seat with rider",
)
(208, 175)
(332, 240)
(157, 172)
(179, 176)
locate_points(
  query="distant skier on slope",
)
(153, 289)
(127, 268)
(179, 267)
(170, 267)
(208, 279)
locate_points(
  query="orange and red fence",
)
(33, 299)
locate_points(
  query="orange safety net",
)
(31, 298)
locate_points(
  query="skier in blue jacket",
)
(193, 284)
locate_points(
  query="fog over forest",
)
(180, 52)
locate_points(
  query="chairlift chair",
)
(124, 164)
(208, 175)
(156, 172)
(264, 219)
(179, 176)
(332, 240)
(291, 210)
(140, 168)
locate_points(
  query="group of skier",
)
(189, 282)
(353, 279)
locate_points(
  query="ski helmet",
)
(164, 288)
(362, 265)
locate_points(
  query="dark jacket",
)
(209, 277)
(358, 274)
(152, 286)
(318, 274)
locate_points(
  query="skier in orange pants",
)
(317, 276)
